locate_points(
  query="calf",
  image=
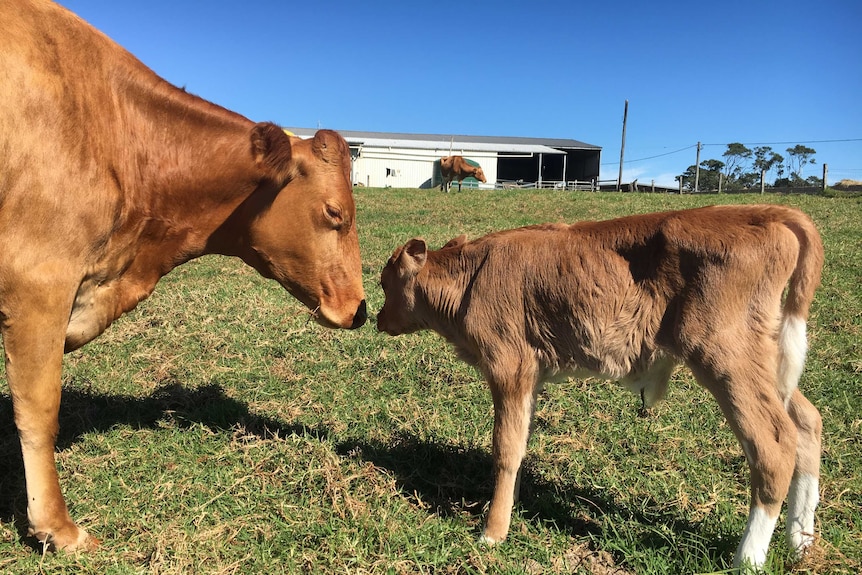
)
(109, 178)
(628, 299)
(456, 167)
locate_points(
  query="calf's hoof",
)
(490, 540)
(800, 544)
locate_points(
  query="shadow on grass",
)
(84, 412)
(451, 480)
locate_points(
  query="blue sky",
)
(756, 72)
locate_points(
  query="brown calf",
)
(628, 299)
(109, 178)
(456, 167)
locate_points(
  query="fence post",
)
(825, 173)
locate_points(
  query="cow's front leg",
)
(34, 354)
(514, 404)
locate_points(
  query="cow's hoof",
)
(69, 540)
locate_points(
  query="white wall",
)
(410, 168)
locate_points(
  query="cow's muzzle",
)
(361, 315)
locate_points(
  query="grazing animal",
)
(109, 178)
(452, 167)
(628, 299)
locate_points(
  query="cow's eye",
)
(334, 215)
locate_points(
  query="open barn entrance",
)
(549, 169)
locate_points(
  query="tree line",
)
(741, 169)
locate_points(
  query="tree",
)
(739, 176)
(687, 178)
(735, 158)
(767, 161)
(798, 157)
(708, 178)
(748, 180)
(710, 174)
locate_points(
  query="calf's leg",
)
(749, 400)
(514, 405)
(804, 487)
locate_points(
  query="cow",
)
(456, 167)
(109, 178)
(629, 299)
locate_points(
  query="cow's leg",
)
(748, 396)
(514, 404)
(804, 487)
(34, 342)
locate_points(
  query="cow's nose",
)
(360, 316)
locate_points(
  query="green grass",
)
(215, 430)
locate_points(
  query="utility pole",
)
(697, 169)
(623, 146)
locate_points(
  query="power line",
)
(788, 143)
(652, 157)
(744, 144)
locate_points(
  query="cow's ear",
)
(329, 146)
(414, 254)
(455, 242)
(270, 147)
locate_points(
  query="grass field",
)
(215, 430)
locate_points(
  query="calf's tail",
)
(792, 337)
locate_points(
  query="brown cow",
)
(109, 178)
(628, 299)
(452, 167)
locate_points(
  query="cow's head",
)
(398, 281)
(302, 223)
(480, 175)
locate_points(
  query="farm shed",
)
(397, 160)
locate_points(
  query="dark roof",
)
(563, 143)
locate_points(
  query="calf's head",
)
(398, 281)
(302, 226)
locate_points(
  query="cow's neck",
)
(188, 168)
(179, 167)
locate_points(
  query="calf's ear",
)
(414, 254)
(455, 242)
(270, 147)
